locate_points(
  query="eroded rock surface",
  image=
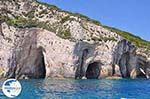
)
(65, 45)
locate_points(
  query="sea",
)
(83, 89)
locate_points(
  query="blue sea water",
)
(83, 89)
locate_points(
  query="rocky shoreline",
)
(78, 48)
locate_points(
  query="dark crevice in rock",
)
(123, 63)
(40, 64)
(142, 67)
(84, 55)
(114, 72)
(12, 64)
(141, 75)
(80, 69)
(93, 71)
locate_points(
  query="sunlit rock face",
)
(48, 42)
(38, 53)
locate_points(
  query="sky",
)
(129, 15)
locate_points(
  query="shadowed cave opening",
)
(141, 75)
(141, 71)
(93, 70)
(40, 71)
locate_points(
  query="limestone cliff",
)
(39, 40)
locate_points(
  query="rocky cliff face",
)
(39, 40)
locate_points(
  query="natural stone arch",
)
(85, 53)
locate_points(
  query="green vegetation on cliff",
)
(64, 34)
(86, 18)
(135, 39)
(29, 21)
(22, 22)
(73, 14)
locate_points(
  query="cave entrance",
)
(93, 71)
(40, 64)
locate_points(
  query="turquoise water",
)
(83, 89)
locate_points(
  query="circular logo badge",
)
(11, 88)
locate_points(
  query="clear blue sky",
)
(128, 15)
